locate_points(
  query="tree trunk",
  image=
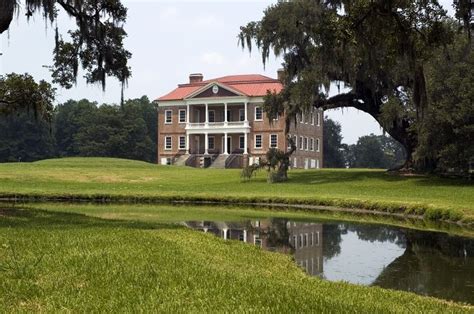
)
(7, 8)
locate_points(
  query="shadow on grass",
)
(43, 219)
(345, 176)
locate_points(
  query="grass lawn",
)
(114, 178)
(54, 261)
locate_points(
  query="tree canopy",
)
(96, 44)
(375, 52)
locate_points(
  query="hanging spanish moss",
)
(96, 45)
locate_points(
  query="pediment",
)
(214, 90)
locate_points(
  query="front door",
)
(196, 144)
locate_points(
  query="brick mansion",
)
(221, 123)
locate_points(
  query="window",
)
(318, 116)
(273, 140)
(182, 116)
(305, 143)
(311, 144)
(229, 115)
(296, 141)
(301, 143)
(242, 142)
(212, 116)
(182, 142)
(211, 142)
(258, 140)
(317, 144)
(312, 117)
(168, 117)
(258, 113)
(241, 114)
(302, 118)
(168, 143)
(289, 144)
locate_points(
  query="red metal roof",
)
(252, 85)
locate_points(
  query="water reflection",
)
(426, 263)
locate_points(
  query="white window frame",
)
(255, 141)
(258, 107)
(311, 144)
(305, 143)
(301, 143)
(213, 147)
(166, 117)
(166, 143)
(319, 119)
(296, 141)
(302, 118)
(312, 117)
(270, 141)
(184, 142)
(213, 115)
(318, 145)
(179, 115)
(242, 142)
(288, 146)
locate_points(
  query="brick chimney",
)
(281, 75)
(195, 78)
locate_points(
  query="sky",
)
(168, 41)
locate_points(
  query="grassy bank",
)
(106, 179)
(52, 261)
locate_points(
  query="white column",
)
(206, 144)
(225, 114)
(207, 114)
(246, 143)
(226, 150)
(187, 144)
(225, 233)
(187, 114)
(245, 235)
(246, 114)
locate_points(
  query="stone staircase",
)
(219, 162)
(181, 160)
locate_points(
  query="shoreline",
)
(394, 211)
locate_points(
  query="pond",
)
(426, 263)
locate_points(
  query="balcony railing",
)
(217, 125)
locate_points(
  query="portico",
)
(216, 119)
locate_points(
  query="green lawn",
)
(114, 178)
(52, 261)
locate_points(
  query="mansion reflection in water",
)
(304, 240)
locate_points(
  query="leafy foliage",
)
(24, 138)
(447, 134)
(96, 45)
(378, 50)
(83, 129)
(374, 151)
(277, 163)
(332, 144)
(20, 93)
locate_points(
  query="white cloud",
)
(213, 58)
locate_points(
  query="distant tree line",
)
(81, 128)
(370, 151)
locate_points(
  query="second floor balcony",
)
(225, 118)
